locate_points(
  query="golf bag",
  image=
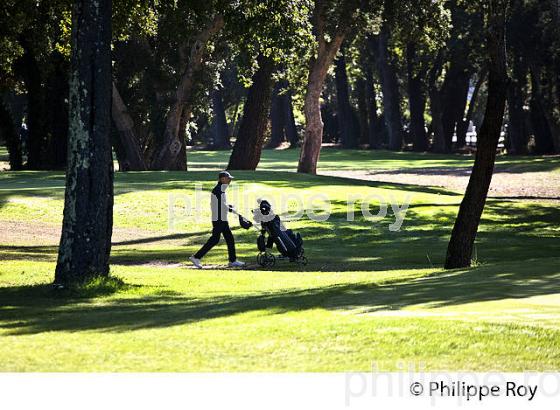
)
(288, 243)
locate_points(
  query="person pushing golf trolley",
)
(220, 225)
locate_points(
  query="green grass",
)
(337, 159)
(367, 295)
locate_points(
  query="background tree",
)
(335, 21)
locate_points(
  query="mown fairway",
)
(367, 295)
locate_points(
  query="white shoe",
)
(236, 264)
(196, 262)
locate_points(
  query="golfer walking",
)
(220, 225)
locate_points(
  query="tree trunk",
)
(131, 158)
(518, 135)
(35, 119)
(56, 115)
(454, 99)
(416, 101)
(318, 67)
(219, 124)
(539, 122)
(171, 154)
(362, 111)
(345, 116)
(461, 244)
(375, 124)
(246, 152)
(290, 122)
(463, 125)
(391, 95)
(436, 109)
(277, 118)
(85, 243)
(9, 131)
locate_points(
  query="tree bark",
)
(416, 101)
(459, 251)
(246, 152)
(454, 99)
(131, 158)
(85, 243)
(318, 67)
(171, 154)
(220, 130)
(345, 116)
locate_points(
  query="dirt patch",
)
(511, 185)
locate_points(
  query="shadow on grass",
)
(29, 310)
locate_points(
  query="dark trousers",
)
(219, 228)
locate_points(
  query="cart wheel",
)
(266, 259)
(303, 261)
(270, 260)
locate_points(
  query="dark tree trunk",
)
(246, 152)
(362, 111)
(436, 108)
(463, 125)
(459, 251)
(220, 130)
(375, 123)
(518, 135)
(454, 99)
(277, 118)
(36, 141)
(56, 115)
(9, 131)
(416, 101)
(290, 121)
(129, 152)
(345, 116)
(171, 153)
(85, 243)
(539, 121)
(391, 95)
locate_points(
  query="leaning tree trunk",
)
(461, 244)
(391, 95)
(171, 154)
(219, 124)
(131, 158)
(318, 67)
(416, 101)
(247, 150)
(85, 243)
